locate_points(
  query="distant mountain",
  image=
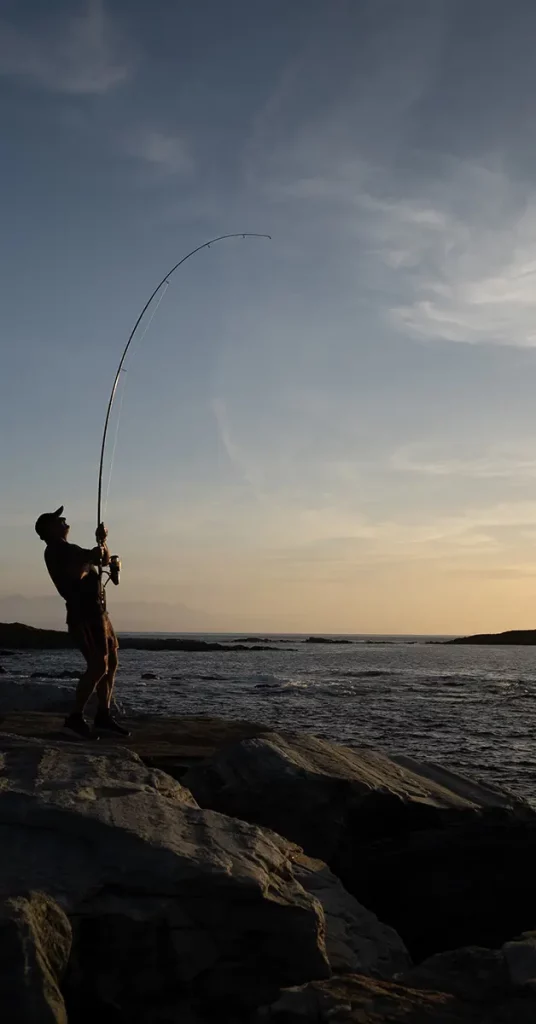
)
(519, 637)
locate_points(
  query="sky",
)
(332, 431)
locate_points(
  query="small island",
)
(511, 637)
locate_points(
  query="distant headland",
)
(511, 637)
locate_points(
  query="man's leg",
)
(103, 719)
(105, 686)
(92, 678)
(94, 650)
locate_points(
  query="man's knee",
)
(97, 666)
(112, 660)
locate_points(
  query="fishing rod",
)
(115, 565)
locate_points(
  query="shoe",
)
(77, 723)
(105, 723)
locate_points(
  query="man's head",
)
(52, 526)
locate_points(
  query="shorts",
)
(94, 636)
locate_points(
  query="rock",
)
(149, 675)
(16, 697)
(473, 974)
(354, 999)
(420, 846)
(2, 671)
(294, 783)
(7, 654)
(167, 901)
(35, 943)
(167, 742)
(359, 1000)
(326, 640)
(356, 942)
(520, 958)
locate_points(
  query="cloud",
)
(77, 56)
(474, 279)
(445, 246)
(448, 459)
(247, 468)
(456, 262)
(166, 154)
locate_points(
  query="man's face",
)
(58, 529)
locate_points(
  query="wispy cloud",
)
(447, 244)
(78, 55)
(166, 154)
(472, 279)
(247, 469)
(450, 459)
(457, 264)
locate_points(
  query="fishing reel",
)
(114, 570)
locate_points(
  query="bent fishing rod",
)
(115, 564)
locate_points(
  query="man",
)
(74, 572)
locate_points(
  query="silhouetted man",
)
(74, 572)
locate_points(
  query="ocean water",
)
(471, 708)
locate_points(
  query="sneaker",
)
(105, 723)
(77, 723)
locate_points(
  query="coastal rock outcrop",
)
(170, 905)
(419, 845)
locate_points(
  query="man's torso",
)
(82, 596)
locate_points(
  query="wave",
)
(368, 673)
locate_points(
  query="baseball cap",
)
(45, 520)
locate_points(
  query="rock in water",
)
(166, 900)
(35, 943)
(419, 845)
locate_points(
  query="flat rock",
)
(419, 845)
(166, 742)
(313, 791)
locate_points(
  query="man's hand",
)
(101, 534)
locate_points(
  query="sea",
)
(470, 708)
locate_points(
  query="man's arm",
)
(81, 559)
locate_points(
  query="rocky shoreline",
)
(19, 636)
(207, 870)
